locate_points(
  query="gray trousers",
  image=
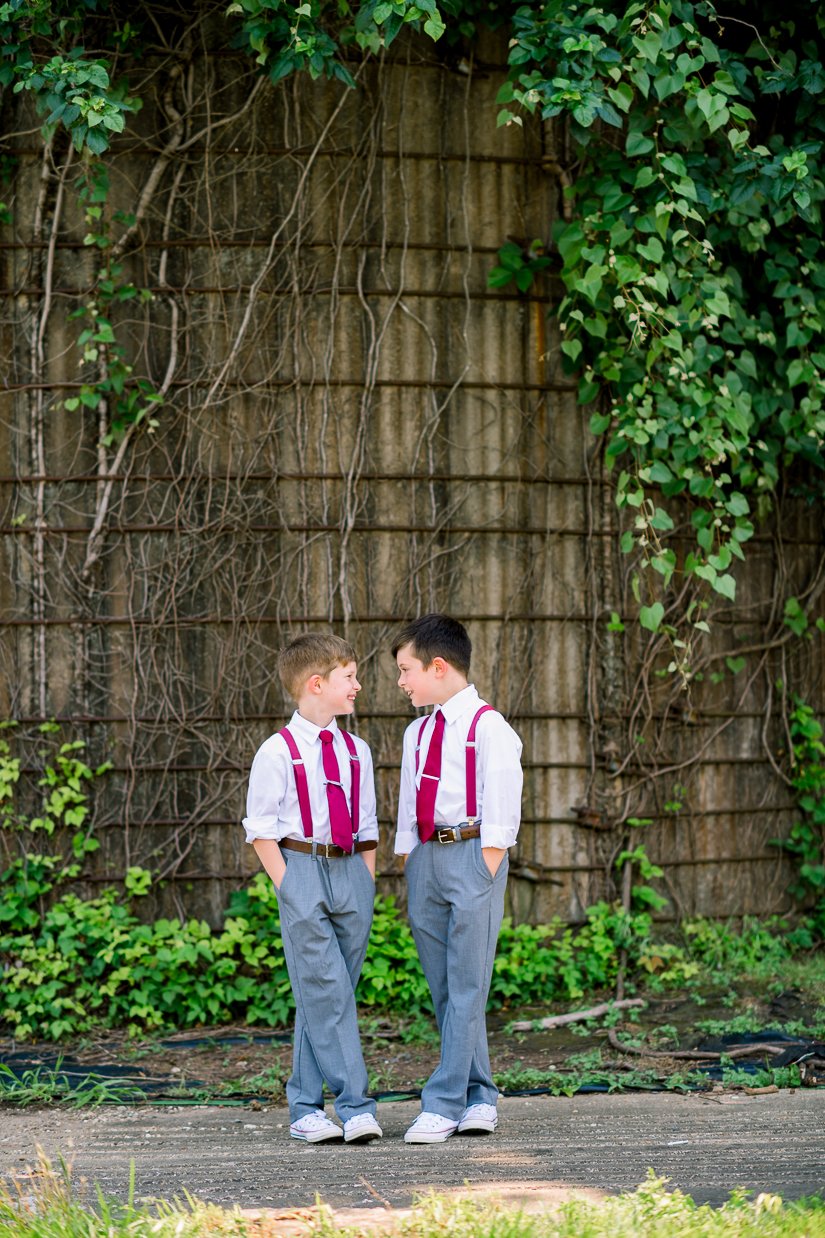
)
(455, 910)
(326, 913)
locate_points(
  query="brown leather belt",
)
(328, 851)
(455, 834)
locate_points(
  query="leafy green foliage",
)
(286, 37)
(695, 293)
(125, 400)
(642, 896)
(62, 804)
(78, 94)
(756, 947)
(518, 265)
(69, 89)
(806, 840)
(73, 964)
(561, 962)
(89, 963)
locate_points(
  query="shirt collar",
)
(461, 703)
(308, 730)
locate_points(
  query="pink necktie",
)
(339, 819)
(427, 791)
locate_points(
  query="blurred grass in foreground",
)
(44, 1202)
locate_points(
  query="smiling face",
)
(420, 684)
(337, 690)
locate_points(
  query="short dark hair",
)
(437, 636)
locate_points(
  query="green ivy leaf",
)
(650, 617)
(726, 585)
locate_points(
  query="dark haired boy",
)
(459, 810)
(311, 819)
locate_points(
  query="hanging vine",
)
(217, 457)
(694, 311)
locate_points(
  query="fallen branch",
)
(693, 1055)
(576, 1016)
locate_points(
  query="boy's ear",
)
(440, 666)
(314, 683)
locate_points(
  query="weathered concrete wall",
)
(355, 429)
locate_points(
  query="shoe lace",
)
(431, 1121)
(311, 1121)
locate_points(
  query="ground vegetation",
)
(45, 1203)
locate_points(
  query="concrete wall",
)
(355, 429)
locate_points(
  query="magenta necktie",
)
(427, 791)
(339, 819)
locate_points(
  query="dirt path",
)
(544, 1149)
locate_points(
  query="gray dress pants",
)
(326, 913)
(455, 910)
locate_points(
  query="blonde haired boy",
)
(311, 818)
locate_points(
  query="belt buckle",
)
(451, 830)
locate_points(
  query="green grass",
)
(45, 1204)
(46, 1086)
(568, 1082)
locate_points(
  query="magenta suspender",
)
(302, 786)
(469, 761)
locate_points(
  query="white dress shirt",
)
(498, 773)
(272, 808)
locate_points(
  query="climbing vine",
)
(694, 306)
(216, 346)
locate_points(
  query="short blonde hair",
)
(314, 653)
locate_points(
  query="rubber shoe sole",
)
(477, 1126)
(362, 1134)
(413, 1136)
(321, 1136)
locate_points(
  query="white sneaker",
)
(315, 1127)
(478, 1120)
(430, 1128)
(361, 1128)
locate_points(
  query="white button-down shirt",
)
(498, 773)
(272, 808)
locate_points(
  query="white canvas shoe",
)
(430, 1128)
(361, 1128)
(315, 1127)
(478, 1120)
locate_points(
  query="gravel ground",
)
(544, 1149)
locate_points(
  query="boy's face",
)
(339, 689)
(419, 683)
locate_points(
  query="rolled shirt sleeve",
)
(499, 779)
(499, 758)
(267, 787)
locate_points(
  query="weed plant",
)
(47, 1086)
